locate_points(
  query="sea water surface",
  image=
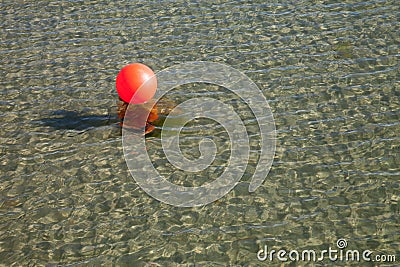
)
(330, 72)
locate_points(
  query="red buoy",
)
(131, 78)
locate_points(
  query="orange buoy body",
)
(136, 83)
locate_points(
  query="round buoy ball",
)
(136, 83)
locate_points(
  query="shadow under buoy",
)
(73, 120)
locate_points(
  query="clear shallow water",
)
(329, 70)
